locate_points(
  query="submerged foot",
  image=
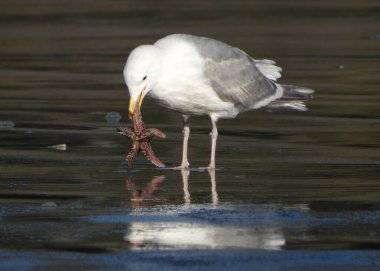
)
(209, 168)
(179, 168)
(183, 166)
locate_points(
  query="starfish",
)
(141, 138)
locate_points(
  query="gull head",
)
(142, 73)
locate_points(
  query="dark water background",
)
(293, 191)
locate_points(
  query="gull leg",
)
(186, 133)
(214, 136)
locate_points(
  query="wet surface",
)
(293, 191)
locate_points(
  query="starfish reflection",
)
(143, 197)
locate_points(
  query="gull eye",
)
(144, 78)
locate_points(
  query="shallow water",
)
(292, 190)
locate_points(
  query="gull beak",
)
(132, 104)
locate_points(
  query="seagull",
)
(200, 76)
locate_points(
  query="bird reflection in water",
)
(176, 227)
(144, 197)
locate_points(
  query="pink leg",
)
(186, 134)
(214, 137)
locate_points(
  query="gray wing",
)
(232, 73)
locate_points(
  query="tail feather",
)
(293, 97)
(268, 68)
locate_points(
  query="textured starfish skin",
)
(141, 138)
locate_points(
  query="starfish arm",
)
(148, 151)
(131, 156)
(138, 124)
(125, 131)
(153, 132)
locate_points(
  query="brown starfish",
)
(141, 138)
